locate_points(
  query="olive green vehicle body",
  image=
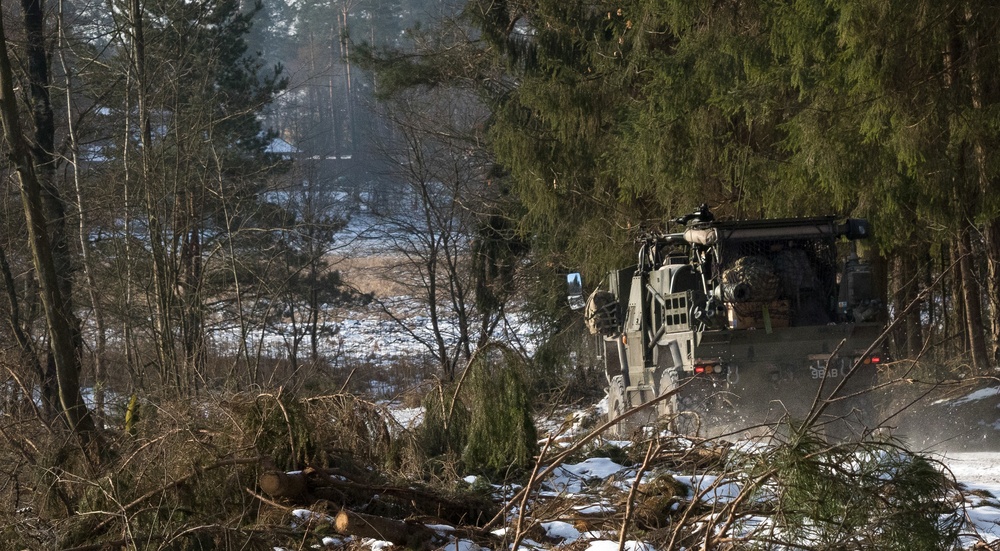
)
(701, 317)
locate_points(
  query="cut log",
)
(281, 484)
(398, 532)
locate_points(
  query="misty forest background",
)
(203, 199)
(180, 174)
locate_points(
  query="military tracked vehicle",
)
(753, 321)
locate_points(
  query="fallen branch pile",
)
(313, 485)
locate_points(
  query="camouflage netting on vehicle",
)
(802, 272)
(601, 314)
(757, 274)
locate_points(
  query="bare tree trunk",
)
(162, 290)
(957, 317)
(991, 230)
(29, 358)
(914, 325)
(331, 106)
(928, 283)
(314, 307)
(193, 324)
(59, 319)
(909, 334)
(971, 296)
(899, 304)
(992, 235)
(41, 148)
(345, 53)
(88, 269)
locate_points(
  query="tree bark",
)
(914, 326)
(29, 358)
(88, 266)
(972, 296)
(986, 188)
(163, 298)
(311, 485)
(41, 149)
(899, 305)
(992, 234)
(59, 320)
(957, 311)
(281, 484)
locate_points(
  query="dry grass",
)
(185, 477)
(379, 275)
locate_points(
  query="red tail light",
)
(707, 366)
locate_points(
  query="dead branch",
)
(558, 460)
(311, 485)
(651, 451)
(196, 471)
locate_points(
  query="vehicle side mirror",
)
(574, 291)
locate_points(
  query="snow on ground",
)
(979, 475)
(586, 484)
(980, 394)
(407, 418)
(379, 340)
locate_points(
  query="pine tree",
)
(611, 116)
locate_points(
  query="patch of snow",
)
(710, 487)
(561, 530)
(602, 406)
(462, 545)
(980, 394)
(594, 509)
(377, 545)
(986, 521)
(279, 146)
(408, 417)
(975, 470)
(571, 477)
(608, 545)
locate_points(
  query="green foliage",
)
(867, 495)
(611, 116)
(281, 430)
(497, 250)
(445, 428)
(502, 437)
(566, 362)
